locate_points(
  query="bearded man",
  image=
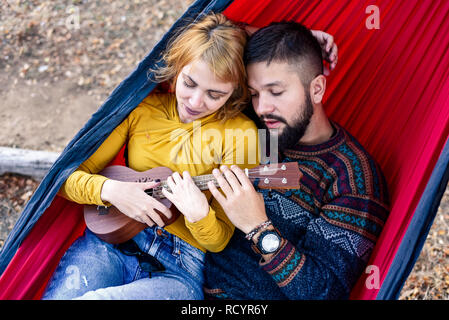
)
(313, 242)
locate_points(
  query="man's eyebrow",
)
(273, 84)
(210, 90)
(269, 85)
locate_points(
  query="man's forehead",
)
(268, 85)
(271, 74)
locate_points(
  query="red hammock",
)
(390, 89)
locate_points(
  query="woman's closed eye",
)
(276, 93)
(214, 96)
(189, 84)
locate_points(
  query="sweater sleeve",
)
(84, 184)
(327, 262)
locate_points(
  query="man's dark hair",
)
(289, 42)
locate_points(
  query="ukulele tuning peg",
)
(283, 167)
(284, 180)
(266, 181)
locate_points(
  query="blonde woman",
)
(205, 67)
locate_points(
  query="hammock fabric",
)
(390, 89)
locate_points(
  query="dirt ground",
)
(59, 60)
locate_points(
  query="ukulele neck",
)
(284, 175)
(200, 181)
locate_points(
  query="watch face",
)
(270, 242)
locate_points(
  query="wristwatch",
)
(268, 242)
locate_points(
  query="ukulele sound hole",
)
(102, 210)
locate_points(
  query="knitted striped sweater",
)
(331, 224)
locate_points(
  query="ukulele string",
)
(202, 181)
(206, 181)
(157, 191)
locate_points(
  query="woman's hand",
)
(250, 29)
(130, 199)
(329, 49)
(186, 196)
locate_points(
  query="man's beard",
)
(291, 134)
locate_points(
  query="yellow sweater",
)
(156, 137)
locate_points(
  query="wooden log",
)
(26, 162)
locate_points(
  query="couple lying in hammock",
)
(236, 241)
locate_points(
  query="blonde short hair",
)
(219, 43)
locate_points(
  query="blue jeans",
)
(93, 269)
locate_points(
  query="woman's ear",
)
(250, 29)
(317, 89)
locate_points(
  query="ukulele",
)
(112, 226)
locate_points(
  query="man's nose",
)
(196, 99)
(263, 105)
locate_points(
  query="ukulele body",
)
(111, 225)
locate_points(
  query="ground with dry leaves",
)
(60, 59)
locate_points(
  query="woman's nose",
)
(196, 99)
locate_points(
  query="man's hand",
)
(328, 48)
(243, 205)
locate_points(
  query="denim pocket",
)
(190, 259)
